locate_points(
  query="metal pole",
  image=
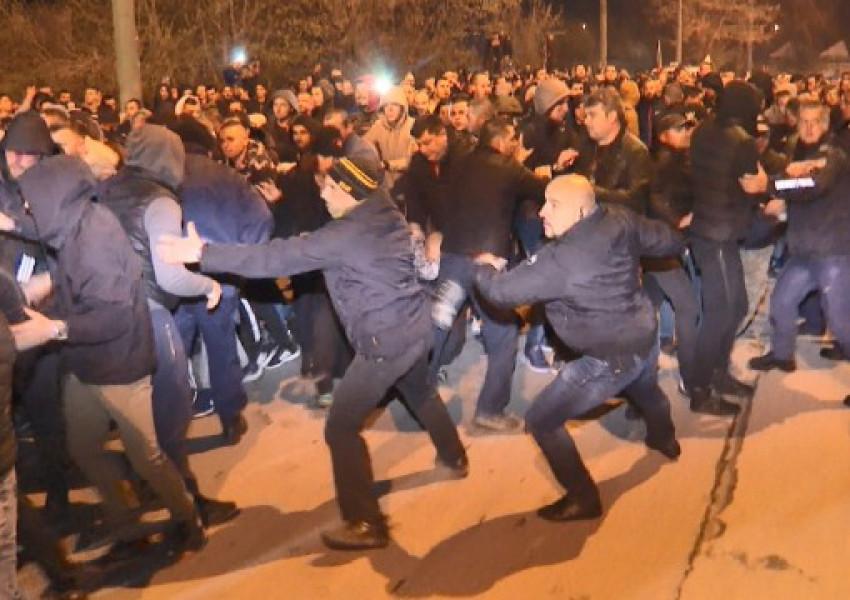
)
(127, 65)
(680, 33)
(603, 33)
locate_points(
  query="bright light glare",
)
(383, 84)
(239, 56)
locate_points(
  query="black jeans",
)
(582, 385)
(356, 397)
(724, 305)
(675, 286)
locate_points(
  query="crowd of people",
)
(158, 256)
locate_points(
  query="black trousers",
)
(724, 305)
(356, 397)
(675, 286)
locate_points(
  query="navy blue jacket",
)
(589, 281)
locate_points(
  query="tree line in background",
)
(69, 43)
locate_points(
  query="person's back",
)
(99, 276)
(487, 189)
(222, 205)
(720, 154)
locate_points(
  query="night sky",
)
(816, 23)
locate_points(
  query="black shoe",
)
(572, 508)
(833, 352)
(233, 430)
(188, 536)
(669, 448)
(359, 535)
(459, 469)
(215, 512)
(126, 550)
(703, 401)
(724, 383)
(769, 362)
(498, 423)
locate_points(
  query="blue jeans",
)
(582, 385)
(499, 332)
(218, 329)
(801, 276)
(8, 537)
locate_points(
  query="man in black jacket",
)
(105, 328)
(818, 244)
(615, 161)
(588, 277)
(367, 258)
(488, 185)
(722, 151)
(671, 201)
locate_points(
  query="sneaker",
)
(357, 535)
(324, 400)
(251, 372)
(498, 423)
(282, 356)
(769, 362)
(202, 405)
(536, 361)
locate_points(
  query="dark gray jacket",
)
(589, 281)
(367, 260)
(97, 275)
(819, 217)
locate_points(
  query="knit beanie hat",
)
(548, 94)
(27, 133)
(353, 177)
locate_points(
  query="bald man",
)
(588, 279)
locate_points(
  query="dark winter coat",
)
(589, 281)
(97, 276)
(368, 264)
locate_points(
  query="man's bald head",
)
(569, 199)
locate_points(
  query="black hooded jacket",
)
(723, 150)
(97, 275)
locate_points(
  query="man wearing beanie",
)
(367, 258)
(722, 151)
